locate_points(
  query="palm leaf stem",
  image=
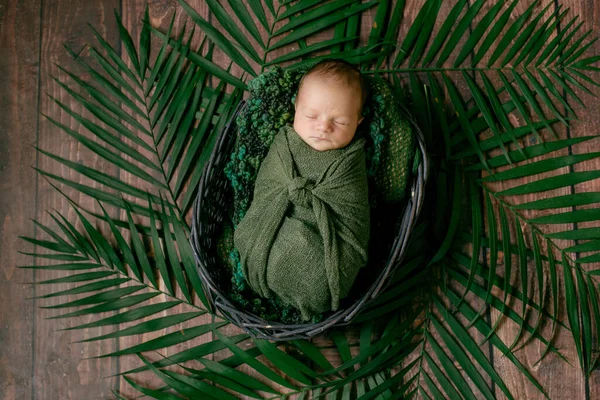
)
(264, 60)
(533, 228)
(160, 163)
(426, 328)
(87, 258)
(118, 222)
(162, 171)
(154, 148)
(134, 279)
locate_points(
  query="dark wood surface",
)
(39, 360)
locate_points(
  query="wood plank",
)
(60, 368)
(586, 126)
(492, 315)
(160, 17)
(546, 373)
(19, 77)
(412, 10)
(475, 302)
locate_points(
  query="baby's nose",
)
(324, 126)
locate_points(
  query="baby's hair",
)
(337, 70)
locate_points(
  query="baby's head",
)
(329, 104)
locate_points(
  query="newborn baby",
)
(306, 233)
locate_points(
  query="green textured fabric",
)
(397, 149)
(306, 233)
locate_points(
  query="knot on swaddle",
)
(300, 191)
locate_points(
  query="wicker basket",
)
(212, 202)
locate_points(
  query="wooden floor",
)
(38, 360)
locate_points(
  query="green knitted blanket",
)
(306, 233)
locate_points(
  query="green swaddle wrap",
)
(306, 233)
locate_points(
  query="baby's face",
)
(327, 113)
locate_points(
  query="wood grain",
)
(572, 381)
(411, 12)
(588, 125)
(19, 76)
(61, 368)
(160, 14)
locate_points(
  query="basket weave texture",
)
(222, 201)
